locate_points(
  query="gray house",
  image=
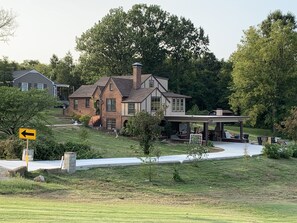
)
(27, 79)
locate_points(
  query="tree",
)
(146, 127)
(7, 24)
(64, 71)
(22, 108)
(289, 125)
(6, 69)
(265, 73)
(147, 34)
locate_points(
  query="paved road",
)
(231, 150)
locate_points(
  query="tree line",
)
(258, 80)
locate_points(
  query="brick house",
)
(120, 97)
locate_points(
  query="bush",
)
(83, 151)
(272, 151)
(276, 151)
(11, 148)
(293, 147)
(47, 149)
(85, 119)
(51, 150)
(285, 152)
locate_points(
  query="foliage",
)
(11, 148)
(264, 73)
(85, 119)
(149, 162)
(276, 151)
(19, 109)
(6, 69)
(196, 152)
(7, 24)
(289, 126)
(146, 34)
(195, 111)
(293, 147)
(64, 71)
(48, 149)
(176, 175)
(146, 128)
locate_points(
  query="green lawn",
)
(238, 190)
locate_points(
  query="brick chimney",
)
(136, 75)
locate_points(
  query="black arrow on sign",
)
(25, 134)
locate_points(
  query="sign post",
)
(28, 134)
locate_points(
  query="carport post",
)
(241, 131)
(205, 129)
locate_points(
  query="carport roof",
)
(205, 118)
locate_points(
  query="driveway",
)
(231, 150)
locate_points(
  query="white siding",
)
(161, 84)
(164, 83)
(169, 109)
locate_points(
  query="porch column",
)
(188, 130)
(205, 125)
(241, 131)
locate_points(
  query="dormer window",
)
(111, 87)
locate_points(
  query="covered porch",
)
(218, 134)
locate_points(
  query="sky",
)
(47, 27)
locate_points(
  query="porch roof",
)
(205, 118)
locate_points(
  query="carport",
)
(218, 120)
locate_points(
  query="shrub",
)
(276, 151)
(51, 150)
(285, 152)
(85, 119)
(272, 151)
(83, 151)
(47, 149)
(293, 147)
(11, 148)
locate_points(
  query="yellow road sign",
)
(25, 133)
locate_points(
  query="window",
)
(110, 104)
(151, 83)
(110, 123)
(24, 86)
(156, 103)
(87, 102)
(178, 105)
(75, 104)
(110, 87)
(40, 86)
(131, 108)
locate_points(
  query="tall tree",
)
(7, 24)
(63, 71)
(160, 41)
(265, 73)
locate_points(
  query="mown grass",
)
(110, 146)
(238, 190)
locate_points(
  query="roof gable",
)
(20, 73)
(84, 91)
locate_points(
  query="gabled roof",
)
(84, 91)
(139, 95)
(173, 95)
(124, 85)
(102, 81)
(20, 73)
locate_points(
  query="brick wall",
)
(117, 115)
